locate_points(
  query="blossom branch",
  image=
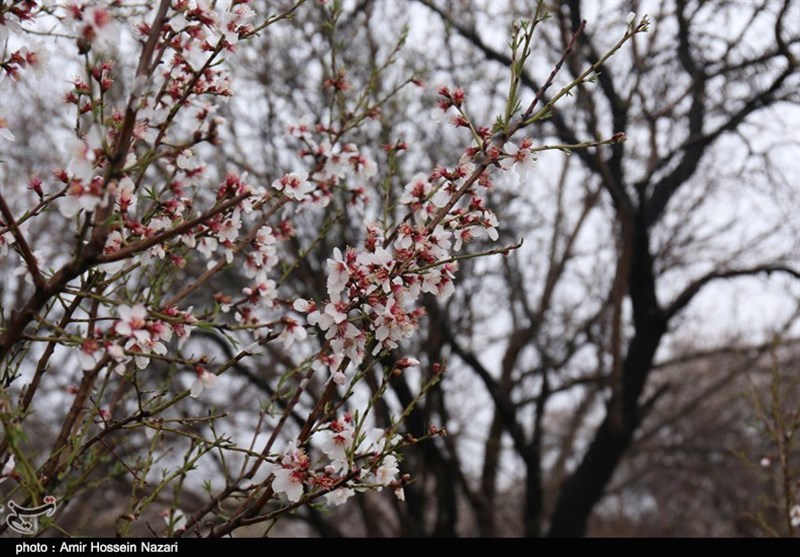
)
(161, 237)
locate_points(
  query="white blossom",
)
(5, 133)
(387, 471)
(339, 496)
(132, 322)
(289, 482)
(205, 380)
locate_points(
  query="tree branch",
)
(24, 249)
(694, 288)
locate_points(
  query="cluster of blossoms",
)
(22, 59)
(193, 35)
(186, 78)
(153, 224)
(372, 290)
(133, 337)
(174, 110)
(520, 157)
(355, 462)
(94, 23)
(15, 61)
(338, 166)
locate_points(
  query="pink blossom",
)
(266, 289)
(380, 257)
(406, 362)
(332, 315)
(292, 332)
(125, 198)
(339, 496)
(440, 242)
(183, 329)
(89, 354)
(440, 281)
(304, 306)
(132, 322)
(80, 197)
(265, 238)
(294, 185)
(331, 362)
(387, 471)
(490, 224)
(233, 22)
(406, 236)
(184, 160)
(160, 330)
(113, 244)
(359, 165)
(117, 353)
(229, 230)
(302, 129)
(149, 345)
(207, 245)
(519, 158)
(335, 168)
(139, 355)
(290, 473)
(289, 482)
(416, 191)
(336, 440)
(338, 275)
(205, 380)
(465, 235)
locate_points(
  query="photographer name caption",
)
(26, 548)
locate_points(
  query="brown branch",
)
(202, 279)
(54, 463)
(142, 245)
(564, 55)
(27, 255)
(691, 291)
(117, 159)
(694, 148)
(501, 401)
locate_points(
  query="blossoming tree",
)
(135, 314)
